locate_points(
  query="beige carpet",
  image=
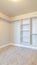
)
(18, 56)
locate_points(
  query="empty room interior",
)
(18, 32)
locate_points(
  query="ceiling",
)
(11, 8)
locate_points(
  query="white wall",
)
(15, 32)
(34, 31)
(10, 32)
(14, 36)
(4, 32)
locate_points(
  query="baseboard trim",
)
(2, 46)
(18, 45)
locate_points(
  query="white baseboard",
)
(19, 45)
(2, 46)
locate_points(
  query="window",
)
(25, 31)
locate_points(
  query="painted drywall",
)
(10, 32)
(4, 32)
(14, 19)
(4, 29)
(34, 31)
(15, 32)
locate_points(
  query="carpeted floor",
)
(18, 56)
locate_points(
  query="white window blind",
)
(25, 30)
